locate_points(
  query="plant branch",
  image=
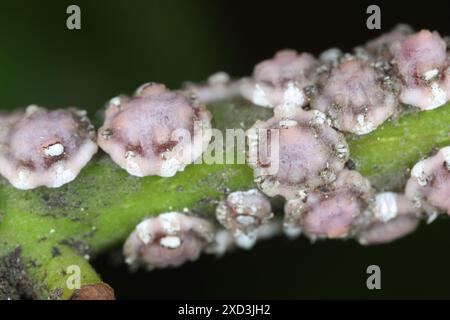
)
(56, 228)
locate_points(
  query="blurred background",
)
(123, 44)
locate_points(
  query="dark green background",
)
(123, 44)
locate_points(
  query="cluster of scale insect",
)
(316, 101)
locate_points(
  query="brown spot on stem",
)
(98, 291)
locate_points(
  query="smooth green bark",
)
(57, 228)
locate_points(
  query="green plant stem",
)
(57, 228)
